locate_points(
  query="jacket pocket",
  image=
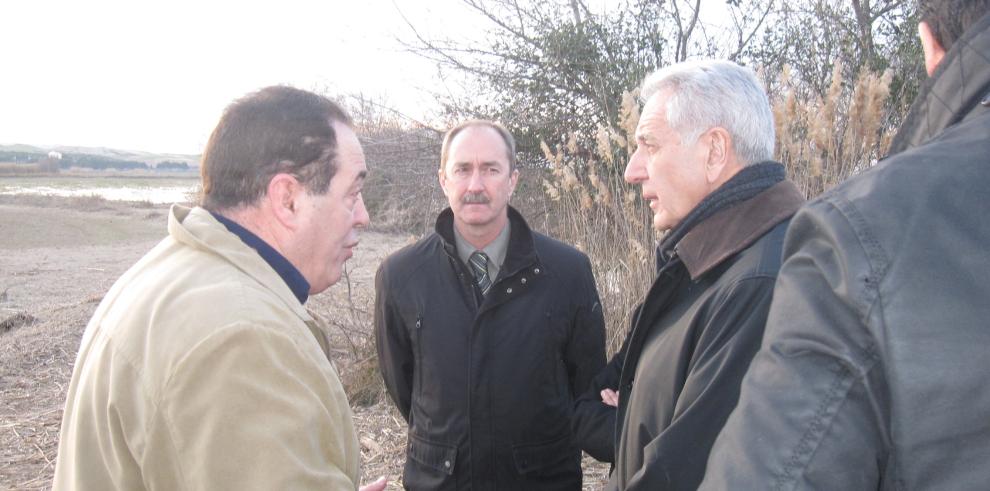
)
(436, 456)
(544, 458)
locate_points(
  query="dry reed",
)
(821, 140)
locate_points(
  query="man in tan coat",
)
(201, 369)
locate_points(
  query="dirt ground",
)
(58, 256)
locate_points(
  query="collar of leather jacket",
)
(733, 229)
(521, 252)
(953, 93)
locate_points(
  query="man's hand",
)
(610, 397)
(378, 485)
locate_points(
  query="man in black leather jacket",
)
(873, 371)
(704, 140)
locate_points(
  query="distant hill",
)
(98, 157)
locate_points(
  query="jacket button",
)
(523, 281)
(536, 271)
(446, 464)
(508, 290)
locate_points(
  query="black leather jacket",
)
(487, 384)
(873, 372)
(680, 367)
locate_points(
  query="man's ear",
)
(719, 146)
(442, 177)
(283, 196)
(513, 179)
(934, 52)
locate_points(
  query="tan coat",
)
(201, 370)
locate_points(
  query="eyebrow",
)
(487, 163)
(359, 179)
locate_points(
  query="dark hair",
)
(274, 130)
(510, 143)
(949, 19)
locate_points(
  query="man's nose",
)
(636, 169)
(361, 217)
(476, 181)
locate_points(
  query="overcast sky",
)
(155, 76)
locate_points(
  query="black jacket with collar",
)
(873, 372)
(701, 322)
(487, 384)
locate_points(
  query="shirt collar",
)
(496, 250)
(292, 277)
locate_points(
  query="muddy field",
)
(58, 256)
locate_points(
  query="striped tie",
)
(479, 266)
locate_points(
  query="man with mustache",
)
(486, 331)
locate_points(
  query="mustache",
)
(475, 198)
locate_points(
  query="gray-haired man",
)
(705, 140)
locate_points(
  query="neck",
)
(258, 224)
(731, 168)
(480, 236)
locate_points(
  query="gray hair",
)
(710, 93)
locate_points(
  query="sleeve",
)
(810, 411)
(727, 340)
(594, 421)
(584, 358)
(395, 356)
(250, 408)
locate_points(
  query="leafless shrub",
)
(402, 193)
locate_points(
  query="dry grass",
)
(824, 140)
(591, 207)
(15, 169)
(821, 141)
(35, 365)
(91, 203)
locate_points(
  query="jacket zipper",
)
(419, 356)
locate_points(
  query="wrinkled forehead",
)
(653, 118)
(350, 154)
(478, 145)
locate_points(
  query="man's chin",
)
(332, 278)
(475, 215)
(660, 223)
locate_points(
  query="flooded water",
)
(152, 189)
